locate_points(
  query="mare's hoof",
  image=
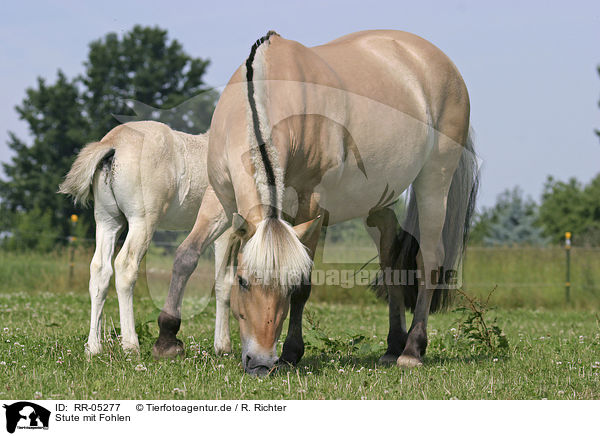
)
(387, 359)
(408, 362)
(168, 350)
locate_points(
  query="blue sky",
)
(530, 66)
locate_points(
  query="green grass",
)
(552, 354)
(554, 348)
(534, 277)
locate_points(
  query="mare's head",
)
(272, 262)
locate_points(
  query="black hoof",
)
(168, 349)
(291, 357)
(388, 359)
(416, 345)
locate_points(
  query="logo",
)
(26, 415)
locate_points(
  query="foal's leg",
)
(109, 224)
(223, 282)
(383, 227)
(127, 265)
(210, 223)
(293, 347)
(108, 229)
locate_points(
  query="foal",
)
(148, 176)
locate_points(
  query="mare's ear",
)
(306, 230)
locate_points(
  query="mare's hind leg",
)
(383, 227)
(109, 223)
(127, 265)
(431, 188)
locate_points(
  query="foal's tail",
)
(79, 180)
(459, 211)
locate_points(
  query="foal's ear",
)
(305, 230)
(240, 226)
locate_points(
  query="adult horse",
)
(146, 176)
(314, 136)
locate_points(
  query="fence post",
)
(568, 278)
(72, 240)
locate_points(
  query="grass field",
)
(553, 352)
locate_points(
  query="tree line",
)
(145, 74)
(569, 206)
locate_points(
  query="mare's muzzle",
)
(258, 364)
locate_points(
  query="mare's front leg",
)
(293, 347)
(210, 223)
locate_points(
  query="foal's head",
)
(272, 263)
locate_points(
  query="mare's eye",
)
(243, 283)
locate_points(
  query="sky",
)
(530, 66)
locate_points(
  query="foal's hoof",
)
(387, 359)
(131, 351)
(408, 362)
(168, 350)
(92, 349)
(222, 348)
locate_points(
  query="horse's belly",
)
(352, 197)
(350, 192)
(182, 216)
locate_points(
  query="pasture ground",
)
(552, 354)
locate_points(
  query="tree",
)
(481, 226)
(142, 66)
(56, 122)
(569, 206)
(512, 221)
(33, 230)
(145, 67)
